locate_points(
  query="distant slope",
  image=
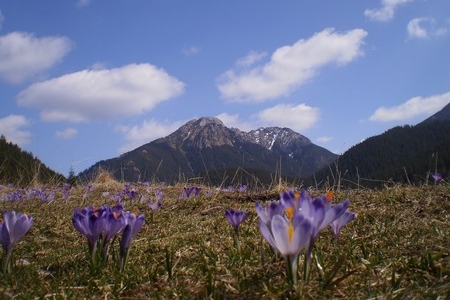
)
(442, 115)
(206, 148)
(22, 168)
(404, 154)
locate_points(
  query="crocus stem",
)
(7, 263)
(123, 259)
(292, 264)
(307, 267)
(237, 242)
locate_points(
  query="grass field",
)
(397, 247)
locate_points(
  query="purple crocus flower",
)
(268, 211)
(236, 217)
(287, 234)
(154, 205)
(114, 223)
(12, 228)
(437, 178)
(242, 189)
(192, 191)
(133, 226)
(159, 194)
(320, 213)
(295, 208)
(340, 222)
(90, 222)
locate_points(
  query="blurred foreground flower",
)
(287, 233)
(236, 217)
(296, 223)
(12, 228)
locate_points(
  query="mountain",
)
(206, 148)
(22, 168)
(404, 154)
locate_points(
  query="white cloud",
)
(82, 3)
(12, 127)
(67, 133)
(101, 94)
(251, 58)
(415, 29)
(387, 10)
(324, 139)
(24, 56)
(424, 28)
(413, 107)
(296, 117)
(146, 132)
(233, 121)
(191, 50)
(291, 66)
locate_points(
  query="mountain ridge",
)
(205, 147)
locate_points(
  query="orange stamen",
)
(290, 213)
(290, 232)
(330, 196)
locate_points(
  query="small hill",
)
(21, 168)
(207, 149)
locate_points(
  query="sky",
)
(88, 80)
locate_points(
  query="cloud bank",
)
(289, 66)
(23, 55)
(413, 107)
(101, 94)
(298, 117)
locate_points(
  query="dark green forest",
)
(21, 168)
(403, 154)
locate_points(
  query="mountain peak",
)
(205, 132)
(209, 121)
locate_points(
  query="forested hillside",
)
(403, 154)
(21, 168)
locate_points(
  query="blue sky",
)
(86, 80)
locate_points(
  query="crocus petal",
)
(334, 213)
(340, 222)
(5, 239)
(267, 233)
(289, 239)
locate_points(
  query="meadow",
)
(397, 247)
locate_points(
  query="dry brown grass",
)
(398, 247)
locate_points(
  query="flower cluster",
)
(295, 223)
(101, 224)
(189, 192)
